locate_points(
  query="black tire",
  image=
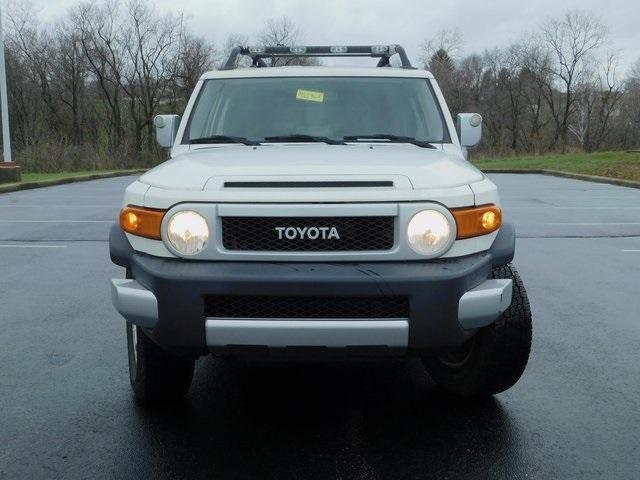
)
(496, 356)
(156, 375)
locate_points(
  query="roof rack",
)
(383, 52)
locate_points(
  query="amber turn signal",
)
(144, 222)
(476, 221)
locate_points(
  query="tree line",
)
(558, 88)
(83, 91)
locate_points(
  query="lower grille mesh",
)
(306, 307)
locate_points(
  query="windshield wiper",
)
(301, 137)
(223, 139)
(388, 137)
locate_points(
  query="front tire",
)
(495, 358)
(155, 374)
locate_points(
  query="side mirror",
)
(469, 129)
(166, 129)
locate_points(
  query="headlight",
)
(429, 232)
(188, 232)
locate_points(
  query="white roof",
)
(298, 71)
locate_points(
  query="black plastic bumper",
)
(433, 287)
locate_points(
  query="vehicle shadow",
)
(336, 420)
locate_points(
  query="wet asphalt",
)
(66, 410)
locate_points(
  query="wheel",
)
(156, 375)
(493, 360)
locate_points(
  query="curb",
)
(61, 181)
(576, 176)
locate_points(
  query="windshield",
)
(256, 109)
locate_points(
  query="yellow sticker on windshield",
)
(310, 96)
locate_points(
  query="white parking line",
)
(57, 221)
(593, 223)
(546, 207)
(630, 251)
(33, 246)
(8, 205)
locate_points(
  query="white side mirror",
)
(469, 129)
(166, 129)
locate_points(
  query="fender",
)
(120, 249)
(504, 246)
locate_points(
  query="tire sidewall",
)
(500, 351)
(133, 352)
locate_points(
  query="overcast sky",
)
(408, 22)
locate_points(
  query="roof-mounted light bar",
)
(380, 49)
(257, 53)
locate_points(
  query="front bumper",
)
(476, 308)
(448, 299)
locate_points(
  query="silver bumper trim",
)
(480, 306)
(134, 302)
(313, 333)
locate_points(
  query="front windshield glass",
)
(331, 107)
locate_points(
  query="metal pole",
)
(4, 100)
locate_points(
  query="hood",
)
(408, 166)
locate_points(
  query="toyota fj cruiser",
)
(319, 211)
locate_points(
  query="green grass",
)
(28, 178)
(605, 164)
(39, 177)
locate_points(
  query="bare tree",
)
(499, 97)
(537, 82)
(69, 71)
(597, 98)
(630, 115)
(571, 41)
(98, 27)
(447, 40)
(235, 40)
(514, 84)
(34, 46)
(24, 94)
(149, 42)
(195, 56)
(283, 32)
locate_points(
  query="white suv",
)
(319, 212)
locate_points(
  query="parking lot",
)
(66, 410)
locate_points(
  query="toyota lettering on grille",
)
(310, 233)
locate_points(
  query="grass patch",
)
(34, 178)
(605, 164)
(40, 177)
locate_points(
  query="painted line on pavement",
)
(8, 205)
(57, 221)
(33, 246)
(545, 207)
(593, 223)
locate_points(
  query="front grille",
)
(306, 307)
(283, 234)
